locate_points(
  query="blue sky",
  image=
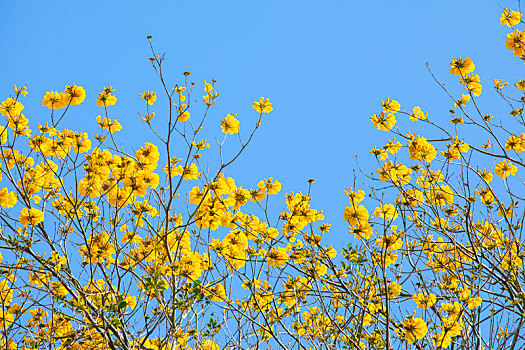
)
(325, 65)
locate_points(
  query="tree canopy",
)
(107, 247)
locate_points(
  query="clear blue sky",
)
(325, 65)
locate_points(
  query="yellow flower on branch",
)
(418, 114)
(460, 67)
(383, 122)
(149, 96)
(230, 125)
(462, 101)
(390, 106)
(424, 300)
(109, 125)
(510, 18)
(55, 100)
(263, 105)
(31, 217)
(412, 329)
(516, 42)
(75, 95)
(277, 257)
(421, 150)
(11, 107)
(386, 211)
(105, 98)
(505, 168)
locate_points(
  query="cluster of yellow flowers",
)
(106, 253)
(105, 98)
(72, 95)
(386, 121)
(438, 195)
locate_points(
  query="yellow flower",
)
(452, 326)
(383, 122)
(391, 106)
(442, 340)
(251, 283)
(277, 257)
(230, 125)
(421, 150)
(384, 259)
(6, 293)
(7, 199)
(515, 41)
(466, 297)
(195, 195)
(510, 18)
(463, 101)
(207, 87)
(18, 123)
(148, 156)
(208, 345)
(392, 147)
(240, 197)
(387, 212)
(149, 96)
(20, 91)
(516, 143)
(190, 265)
(148, 116)
(361, 230)
(105, 98)
(183, 116)
(486, 195)
(6, 319)
(3, 135)
(209, 98)
(486, 175)
(131, 301)
(440, 195)
(54, 100)
(234, 248)
(108, 124)
(498, 84)
(75, 94)
(201, 144)
(100, 248)
(270, 186)
(397, 173)
(412, 329)
(11, 107)
(236, 240)
(453, 309)
(355, 215)
(257, 195)
(505, 168)
(455, 149)
(379, 152)
(390, 242)
(217, 292)
(190, 172)
(81, 143)
(30, 217)
(460, 67)
(472, 84)
(355, 197)
(424, 301)
(417, 114)
(263, 105)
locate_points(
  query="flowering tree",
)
(104, 249)
(445, 240)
